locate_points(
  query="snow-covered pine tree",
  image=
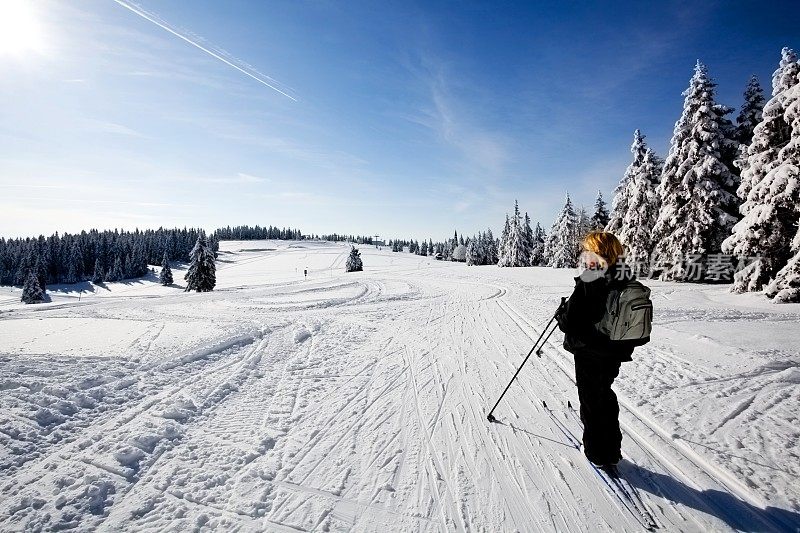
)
(99, 275)
(431, 249)
(202, 273)
(165, 277)
(751, 111)
(528, 233)
(638, 222)
(769, 185)
(785, 288)
(117, 272)
(490, 248)
(697, 209)
(32, 292)
(537, 257)
(562, 243)
(472, 255)
(600, 218)
(503, 253)
(786, 179)
(424, 248)
(729, 152)
(517, 248)
(619, 205)
(74, 267)
(354, 263)
(584, 223)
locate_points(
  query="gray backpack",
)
(629, 314)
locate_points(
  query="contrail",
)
(163, 25)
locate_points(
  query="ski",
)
(620, 486)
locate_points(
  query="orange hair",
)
(604, 244)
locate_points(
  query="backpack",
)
(629, 314)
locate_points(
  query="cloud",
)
(110, 127)
(448, 116)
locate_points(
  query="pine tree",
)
(32, 292)
(201, 276)
(785, 177)
(472, 253)
(697, 209)
(41, 271)
(490, 248)
(600, 218)
(528, 234)
(516, 251)
(165, 277)
(636, 232)
(769, 185)
(562, 243)
(98, 276)
(537, 250)
(116, 273)
(584, 223)
(503, 253)
(354, 263)
(74, 267)
(751, 111)
(619, 205)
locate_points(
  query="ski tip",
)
(490, 417)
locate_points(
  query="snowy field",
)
(358, 402)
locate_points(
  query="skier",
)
(597, 358)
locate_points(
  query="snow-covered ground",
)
(358, 402)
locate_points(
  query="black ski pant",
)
(602, 439)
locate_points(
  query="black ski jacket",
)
(585, 308)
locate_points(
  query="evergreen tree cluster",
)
(94, 255)
(723, 189)
(258, 233)
(335, 237)
(520, 245)
(481, 249)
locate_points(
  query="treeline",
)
(94, 255)
(336, 237)
(257, 233)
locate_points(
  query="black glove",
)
(561, 315)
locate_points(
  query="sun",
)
(20, 30)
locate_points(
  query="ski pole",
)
(541, 345)
(490, 417)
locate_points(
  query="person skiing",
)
(597, 358)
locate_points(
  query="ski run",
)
(358, 402)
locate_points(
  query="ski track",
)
(358, 402)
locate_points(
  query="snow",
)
(358, 401)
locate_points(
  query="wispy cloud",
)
(447, 115)
(111, 127)
(215, 52)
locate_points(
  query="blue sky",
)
(405, 119)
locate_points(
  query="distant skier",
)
(589, 331)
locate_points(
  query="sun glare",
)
(20, 31)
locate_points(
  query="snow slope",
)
(358, 402)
